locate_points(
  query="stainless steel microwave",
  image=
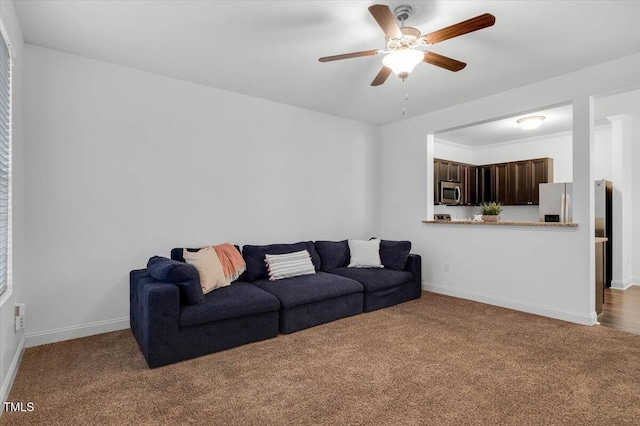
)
(450, 193)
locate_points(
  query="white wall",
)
(558, 147)
(635, 170)
(541, 270)
(123, 165)
(453, 151)
(602, 153)
(12, 343)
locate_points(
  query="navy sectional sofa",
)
(253, 308)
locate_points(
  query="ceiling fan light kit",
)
(402, 43)
(532, 122)
(402, 62)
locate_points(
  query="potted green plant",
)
(491, 211)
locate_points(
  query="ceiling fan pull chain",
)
(406, 98)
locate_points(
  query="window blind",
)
(5, 157)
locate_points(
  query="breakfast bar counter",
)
(502, 223)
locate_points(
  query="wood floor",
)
(621, 309)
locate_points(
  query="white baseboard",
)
(518, 305)
(11, 374)
(75, 332)
(622, 285)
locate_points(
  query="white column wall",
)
(583, 196)
(621, 155)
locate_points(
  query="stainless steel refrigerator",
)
(555, 202)
(556, 206)
(604, 224)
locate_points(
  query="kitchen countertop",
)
(502, 223)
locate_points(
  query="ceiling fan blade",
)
(443, 61)
(464, 27)
(349, 55)
(383, 16)
(381, 77)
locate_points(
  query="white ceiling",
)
(557, 120)
(270, 49)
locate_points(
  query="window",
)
(5, 158)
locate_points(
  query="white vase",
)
(490, 218)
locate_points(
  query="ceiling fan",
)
(402, 43)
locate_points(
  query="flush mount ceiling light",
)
(529, 123)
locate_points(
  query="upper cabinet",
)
(469, 178)
(512, 183)
(448, 171)
(502, 185)
(526, 177)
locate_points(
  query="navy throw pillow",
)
(333, 254)
(183, 275)
(254, 257)
(394, 254)
(176, 253)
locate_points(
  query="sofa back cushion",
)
(333, 254)
(254, 256)
(176, 253)
(185, 276)
(394, 254)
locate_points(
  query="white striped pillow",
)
(289, 265)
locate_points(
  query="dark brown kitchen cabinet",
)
(526, 177)
(521, 182)
(501, 185)
(454, 172)
(512, 183)
(447, 170)
(469, 177)
(436, 181)
(485, 189)
(542, 171)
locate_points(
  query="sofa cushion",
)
(309, 288)
(365, 254)
(254, 257)
(333, 254)
(374, 279)
(394, 254)
(185, 276)
(237, 300)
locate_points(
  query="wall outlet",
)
(445, 267)
(19, 317)
(19, 323)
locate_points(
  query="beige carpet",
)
(437, 360)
